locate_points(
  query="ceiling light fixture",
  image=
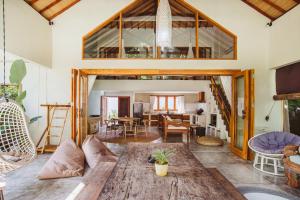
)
(164, 24)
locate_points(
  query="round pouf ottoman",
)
(209, 141)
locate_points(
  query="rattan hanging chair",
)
(16, 147)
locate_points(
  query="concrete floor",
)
(23, 184)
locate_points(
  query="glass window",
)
(214, 42)
(138, 32)
(162, 103)
(294, 116)
(171, 103)
(104, 43)
(193, 35)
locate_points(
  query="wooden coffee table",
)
(187, 179)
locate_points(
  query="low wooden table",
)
(187, 179)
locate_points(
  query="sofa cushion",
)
(66, 161)
(273, 142)
(95, 151)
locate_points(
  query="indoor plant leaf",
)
(17, 72)
(21, 97)
(34, 119)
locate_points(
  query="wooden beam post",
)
(120, 34)
(197, 35)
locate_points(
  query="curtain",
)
(287, 79)
(153, 103)
(180, 104)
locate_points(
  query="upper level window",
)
(132, 34)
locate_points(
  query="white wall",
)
(249, 26)
(246, 23)
(94, 104)
(27, 33)
(285, 39)
(35, 84)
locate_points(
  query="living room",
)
(167, 60)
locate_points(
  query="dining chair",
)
(110, 126)
(130, 128)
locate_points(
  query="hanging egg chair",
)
(16, 146)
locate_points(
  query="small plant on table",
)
(162, 161)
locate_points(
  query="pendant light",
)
(190, 51)
(164, 24)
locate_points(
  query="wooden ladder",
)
(56, 122)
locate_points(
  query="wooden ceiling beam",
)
(259, 10)
(49, 6)
(32, 2)
(63, 10)
(275, 6)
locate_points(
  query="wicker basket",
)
(292, 171)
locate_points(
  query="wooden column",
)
(197, 35)
(120, 34)
(74, 97)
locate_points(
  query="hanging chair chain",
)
(4, 51)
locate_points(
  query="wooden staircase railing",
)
(222, 101)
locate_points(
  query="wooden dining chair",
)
(110, 126)
(130, 128)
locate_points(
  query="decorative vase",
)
(161, 170)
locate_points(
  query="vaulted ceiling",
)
(273, 9)
(51, 8)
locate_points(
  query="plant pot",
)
(161, 170)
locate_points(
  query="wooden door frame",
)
(249, 107)
(161, 72)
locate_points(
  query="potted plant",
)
(161, 161)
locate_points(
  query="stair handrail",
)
(221, 100)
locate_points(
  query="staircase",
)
(221, 101)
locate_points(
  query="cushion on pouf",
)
(95, 151)
(66, 161)
(209, 141)
(273, 142)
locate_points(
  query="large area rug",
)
(119, 138)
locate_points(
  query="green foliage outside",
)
(14, 91)
(113, 114)
(293, 105)
(162, 156)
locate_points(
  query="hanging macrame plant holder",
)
(16, 146)
(164, 24)
(190, 52)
